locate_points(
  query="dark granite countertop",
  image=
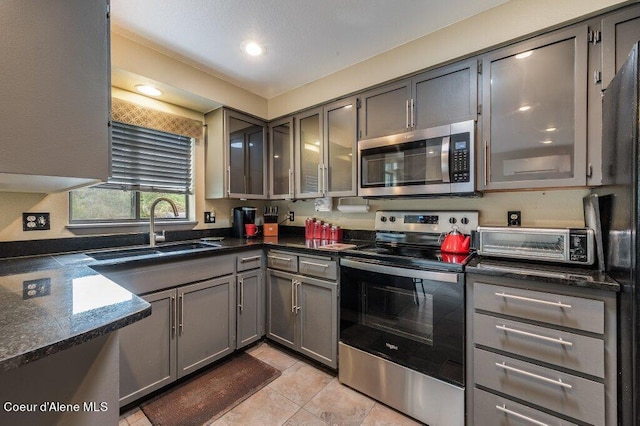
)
(554, 274)
(48, 307)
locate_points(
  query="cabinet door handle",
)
(293, 296)
(324, 179)
(406, 112)
(298, 284)
(558, 382)
(528, 299)
(487, 167)
(505, 410)
(173, 316)
(559, 341)
(228, 181)
(291, 183)
(413, 112)
(319, 265)
(180, 326)
(241, 294)
(283, 259)
(249, 259)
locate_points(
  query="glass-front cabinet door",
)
(246, 154)
(309, 154)
(281, 164)
(534, 118)
(340, 129)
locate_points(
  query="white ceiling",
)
(305, 39)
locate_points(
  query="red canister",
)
(326, 231)
(317, 229)
(308, 228)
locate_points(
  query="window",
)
(146, 164)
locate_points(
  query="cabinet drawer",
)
(249, 260)
(490, 409)
(321, 267)
(564, 393)
(567, 311)
(561, 348)
(283, 261)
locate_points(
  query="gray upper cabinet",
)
(309, 154)
(325, 149)
(534, 112)
(236, 156)
(281, 159)
(620, 31)
(440, 96)
(55, 89)
(340, 126)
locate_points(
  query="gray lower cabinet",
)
(148, 349)
(539, 353)
(302, 311)
(250, 311)
(189, 327)
(206, 320)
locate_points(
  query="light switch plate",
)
(36, 221)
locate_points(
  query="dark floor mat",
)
(209, 395)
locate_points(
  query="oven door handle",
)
(444, 159)
(448, 277)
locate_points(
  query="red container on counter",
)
(317, 229)
(309, 228)
(336, 233)
(326, 231)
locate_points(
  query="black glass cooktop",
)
(415, 257)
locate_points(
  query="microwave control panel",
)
(460, 158)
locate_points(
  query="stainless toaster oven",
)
(563, 245)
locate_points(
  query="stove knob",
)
(452, 220)
(383, 219)
(392, 219)
(464, 220)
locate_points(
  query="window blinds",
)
(149, 160)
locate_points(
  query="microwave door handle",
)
(444, 159)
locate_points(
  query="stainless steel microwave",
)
(439, 160)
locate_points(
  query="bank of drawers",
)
(541, 353)
(314, 266)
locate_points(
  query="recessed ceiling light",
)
(524, 54)
(252, 48)
(148, 90)
(550, 129)
(547, 142)
(524, 108)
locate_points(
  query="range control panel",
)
(426, 221)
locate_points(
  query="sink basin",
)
(184, 246)
(151, 251)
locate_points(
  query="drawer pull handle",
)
(319, 265)
(249, 259)
(528, 299)
(505, 410)
(559, 340)
(284, 259)
(558, 382)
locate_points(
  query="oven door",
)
(412, 317)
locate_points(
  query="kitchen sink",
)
(151, 251)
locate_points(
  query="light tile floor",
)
(302, 395)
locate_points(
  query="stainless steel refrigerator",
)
(621, 164)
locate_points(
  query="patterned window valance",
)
(139, 115)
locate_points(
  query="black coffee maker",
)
(241, 217)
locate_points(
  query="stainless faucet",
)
(153, 238)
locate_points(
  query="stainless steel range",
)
(402, 316)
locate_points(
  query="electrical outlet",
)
(36, 221)
(209, 217)
(291, 216)
(514, 218)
